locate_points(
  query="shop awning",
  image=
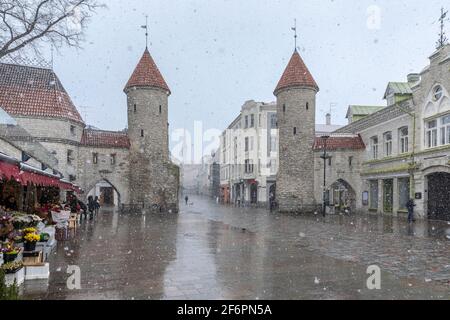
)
(24, 174)
(68, 186)
(37, 177)
(9, 171)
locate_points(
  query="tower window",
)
(142, 133)
(95, 158)
(284, 108)
(113, 159)
(69, 157)
(295, 131)
(160, 109)
(135, 108)
(73, 130)
(307, 106)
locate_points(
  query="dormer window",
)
(391, 100)
(437, 93)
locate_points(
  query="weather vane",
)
(146, 31)
(442, 38)
(295, 33)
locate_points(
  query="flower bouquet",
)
(6, 226)
(12, 267)
(22, 220)
(31, 238)
(10, 253)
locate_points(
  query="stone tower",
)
(296, 108)
(153, 178)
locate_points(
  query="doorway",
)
(439, 196)
(388, 195)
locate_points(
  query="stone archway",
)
(93, 185)
(342, 196)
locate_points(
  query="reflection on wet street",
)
(211, 251)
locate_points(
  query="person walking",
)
(410, 206)
(97, 205)
(91, 207)
(187, 200)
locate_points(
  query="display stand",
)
(37, 272)
(19, 277)
(33, 259)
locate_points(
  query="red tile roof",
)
(296, 75)
(147, 74)
(34, 92)
(105, 139)
(335, 143)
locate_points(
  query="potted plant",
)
(12, 267)
(44, 237)
(30, 241)
(10, 253)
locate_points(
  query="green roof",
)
(398, 88)
(356, 110)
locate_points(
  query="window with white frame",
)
(387, 137)
(249, 166)
(273, 143)
(374, 147)
(437, 93)
(431, 133)
(445, 130)
(403, 134)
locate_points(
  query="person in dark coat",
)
(91, 207)
(97, 205)
(410, 206)
(186, 199)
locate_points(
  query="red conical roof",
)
(296, 75)
(147, 74)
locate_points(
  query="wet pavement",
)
(210, 251)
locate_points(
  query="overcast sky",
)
(217, 54)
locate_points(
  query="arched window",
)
(295, 131)
(142, 133)
(307, 106)
(135, 107)
(284, 108)
(437, 93)
(160, 109)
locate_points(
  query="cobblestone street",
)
(211, 251)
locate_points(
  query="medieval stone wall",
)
(115, 173)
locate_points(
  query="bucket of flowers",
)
(12, 267)
(31, 238)
(10, 253)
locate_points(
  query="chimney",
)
(328, 119)
(413, 77)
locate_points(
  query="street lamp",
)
(325, 157)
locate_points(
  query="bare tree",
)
(27, 24)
